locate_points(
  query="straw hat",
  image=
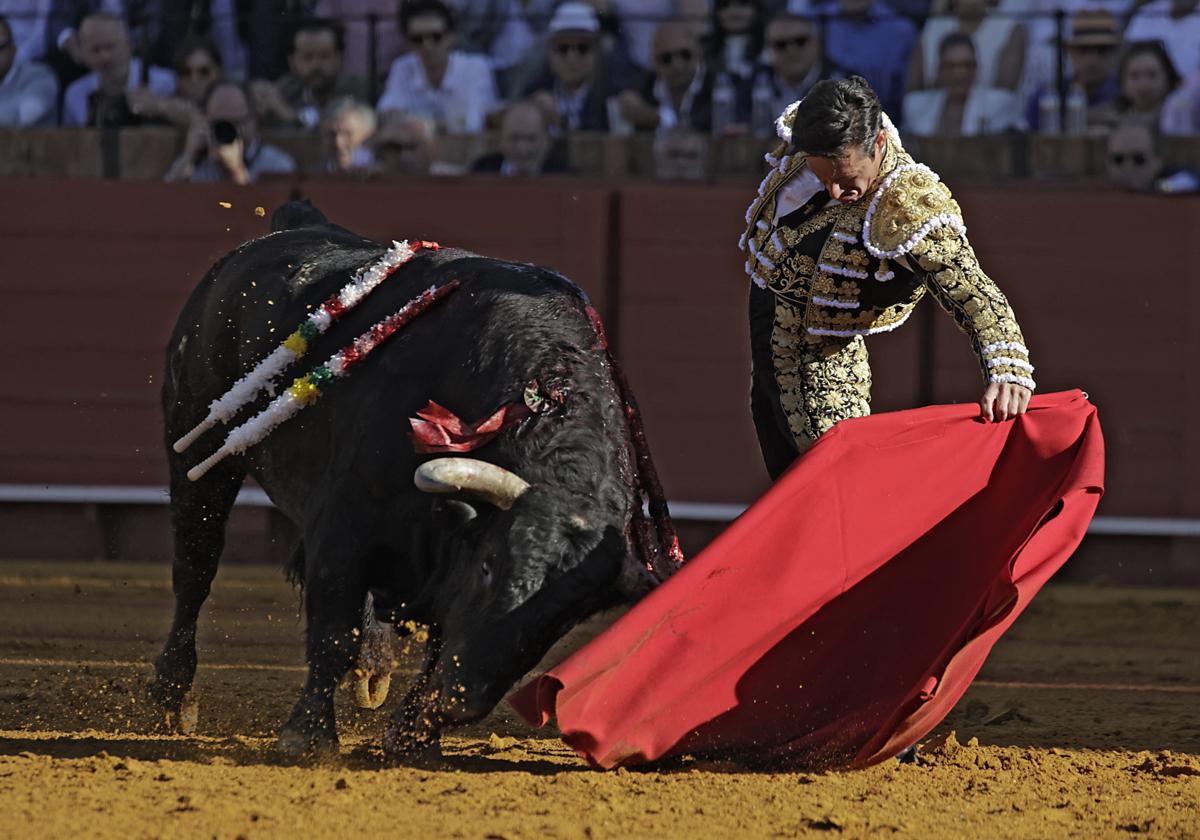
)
(1094, 28)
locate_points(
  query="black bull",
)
(496, 587)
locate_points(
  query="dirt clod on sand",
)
(1084, 723)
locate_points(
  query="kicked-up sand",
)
(1085, 722)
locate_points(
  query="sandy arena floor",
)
(1084, 723)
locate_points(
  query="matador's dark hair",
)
(837, 115)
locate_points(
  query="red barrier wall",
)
(93, 273)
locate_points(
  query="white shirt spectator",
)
(990, 39)
(988, 111)
(1181, 36)
(27, 19)
(75, 100)
(28, 95)
(466, 95)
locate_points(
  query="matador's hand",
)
(1004, 401)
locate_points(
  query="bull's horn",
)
(452, 475)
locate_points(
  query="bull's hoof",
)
(408, 750)
(296, 743)
(371, 690)
(185, 717)
(405, 742)
(180, 711)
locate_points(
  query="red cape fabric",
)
(840, 618)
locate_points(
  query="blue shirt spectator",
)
(870, 38)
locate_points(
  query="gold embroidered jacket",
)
(860, 268)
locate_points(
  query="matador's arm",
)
(953, 275)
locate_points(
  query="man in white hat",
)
(574, 90)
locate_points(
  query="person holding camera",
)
(224, 146)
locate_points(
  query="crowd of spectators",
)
(383, 81)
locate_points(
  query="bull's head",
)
(541, 561)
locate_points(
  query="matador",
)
(846, 235)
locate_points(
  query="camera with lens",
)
(225, 132)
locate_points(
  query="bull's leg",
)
(199, 511)
(372, 677)
(334, 592)
(416, 726)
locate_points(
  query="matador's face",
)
(849, 177)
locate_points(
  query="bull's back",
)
(470, 352)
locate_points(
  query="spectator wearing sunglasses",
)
(28, 90)
(1092, 46)
(679, 92)
(198, 69)
(454, 89)
(638, 20)
(1134, 162)
(957, 106)
(793, 63)
(574, 90)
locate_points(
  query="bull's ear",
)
(453, 513)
